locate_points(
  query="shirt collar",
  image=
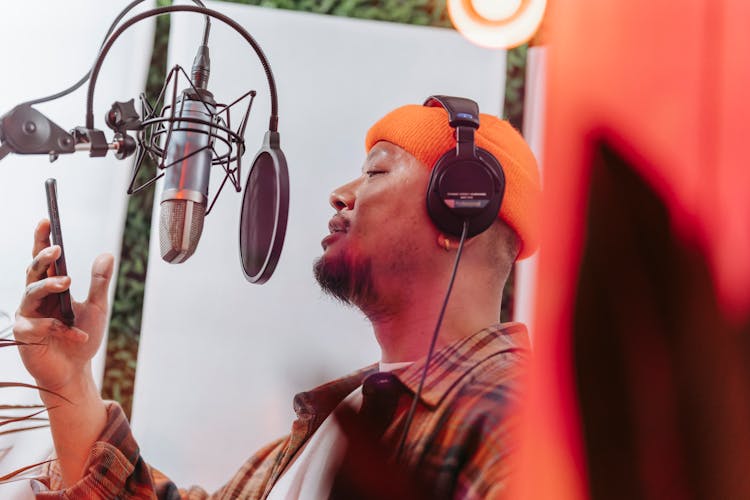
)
(447, 366)
(454, 361)
(321, 400)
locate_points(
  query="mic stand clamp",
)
(91, 139)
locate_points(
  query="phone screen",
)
(66, 308)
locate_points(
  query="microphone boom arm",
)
(274, 120)
(24, 130)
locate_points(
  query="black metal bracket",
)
(26, 131)
(95, 138)
(122, 116)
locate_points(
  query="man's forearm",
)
(76, 424)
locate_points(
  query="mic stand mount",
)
(26, 131)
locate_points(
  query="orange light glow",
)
(497, 24)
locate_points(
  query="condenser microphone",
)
(187, 159)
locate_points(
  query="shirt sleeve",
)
(114, 469)
(485, 430)
(486, 473)
(489, 439)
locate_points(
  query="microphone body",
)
(187, 161)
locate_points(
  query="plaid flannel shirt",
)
(459, 441)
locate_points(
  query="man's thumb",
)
(101, 274)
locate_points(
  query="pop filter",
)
(265, 207)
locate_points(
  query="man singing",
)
(386, 255)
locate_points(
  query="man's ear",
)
(450, 243)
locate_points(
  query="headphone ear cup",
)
(438, 211)
(481, 174)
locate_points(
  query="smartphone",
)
(66, 308)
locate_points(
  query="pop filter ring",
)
(259, 270)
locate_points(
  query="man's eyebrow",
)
(373, 152)
(370, 158)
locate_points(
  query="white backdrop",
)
(533, 132)
(47, 45)
(220, 359)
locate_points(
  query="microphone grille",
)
(180, 228)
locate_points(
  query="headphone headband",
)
(461, 112)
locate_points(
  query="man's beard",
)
(346, 279)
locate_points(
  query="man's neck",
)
(405, 334)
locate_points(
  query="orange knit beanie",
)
(425, 133)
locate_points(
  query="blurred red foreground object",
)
(641, 382)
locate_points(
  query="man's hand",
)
(60, 360)
(63, 352)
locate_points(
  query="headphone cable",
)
(417, 395)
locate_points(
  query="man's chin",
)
(344, 278)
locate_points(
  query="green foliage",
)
(420, 12)
(515, 86)
(125, 323)
(122, 355)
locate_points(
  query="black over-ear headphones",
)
(467, 183)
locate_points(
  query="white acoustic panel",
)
(533, 132)
(220, 359)
(47, 45)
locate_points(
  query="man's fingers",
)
(38, 268)
(39, 330)
(41, 237)
(38, 290)
(101, 274)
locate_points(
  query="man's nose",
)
(343, 197)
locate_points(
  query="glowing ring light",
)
(496, 23)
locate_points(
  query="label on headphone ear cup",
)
(462, 203)
(466, 188)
